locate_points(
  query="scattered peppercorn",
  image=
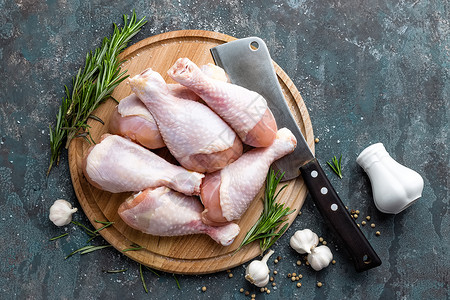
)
(241, 290)
(307, 263)
(294, 274)
(247, 293)
(271, 279)
(299, 213)
(319, 284)
(357, 211)
(262, 290)
(299, 262)
(333, 262)
(355, 216)
(358, 225)
(279, 258)
(372, 225)
(230, 275)
(275, 272)
(292, 278)
(275, 261)
(289, 275)
(297, 278)
(268, 291)
(363, 223)
(300, 276)
(274, 283)
(253, 296)
(321, 239)
(204, 289)
(324, 242)
(299, 284)
(368, 218)
(377, 233)
(316, 140)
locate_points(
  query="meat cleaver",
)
(247, 62)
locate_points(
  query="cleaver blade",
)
(247, 63)
(252, 68)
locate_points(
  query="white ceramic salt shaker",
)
(394, 186)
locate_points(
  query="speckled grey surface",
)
(368, 71)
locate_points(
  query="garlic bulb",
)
(61, 212)
(320, 257)
(257, 271)
(303, 241)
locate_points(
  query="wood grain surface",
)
(194, 254)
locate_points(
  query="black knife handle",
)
(332, 208)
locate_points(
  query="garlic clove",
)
(61, 212)
(303, 241)
(257, 272)
(320, 257)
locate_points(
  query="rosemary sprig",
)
(90, 87)
(272, 216)
(336, 165)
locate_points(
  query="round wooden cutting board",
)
(194, 254)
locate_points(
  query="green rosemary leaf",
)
(151, 270)
(78, 250)
(59, 236)
(87, 249)
(106, 224)
(134, 248)
(142, 278)
(91, 86)
(87, 230)
(93, 248)
(116, 271)
(176, 280)
(94, 117)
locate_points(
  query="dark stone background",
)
(368, 71)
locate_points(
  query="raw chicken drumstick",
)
(117, 165)
(226, 194)
(199, 139)
(164, 212)
(132, 119)
(244, 110)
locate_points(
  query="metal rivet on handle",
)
(334, 207)
(324, 190)
(314, 174)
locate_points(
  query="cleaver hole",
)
(254, 46)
